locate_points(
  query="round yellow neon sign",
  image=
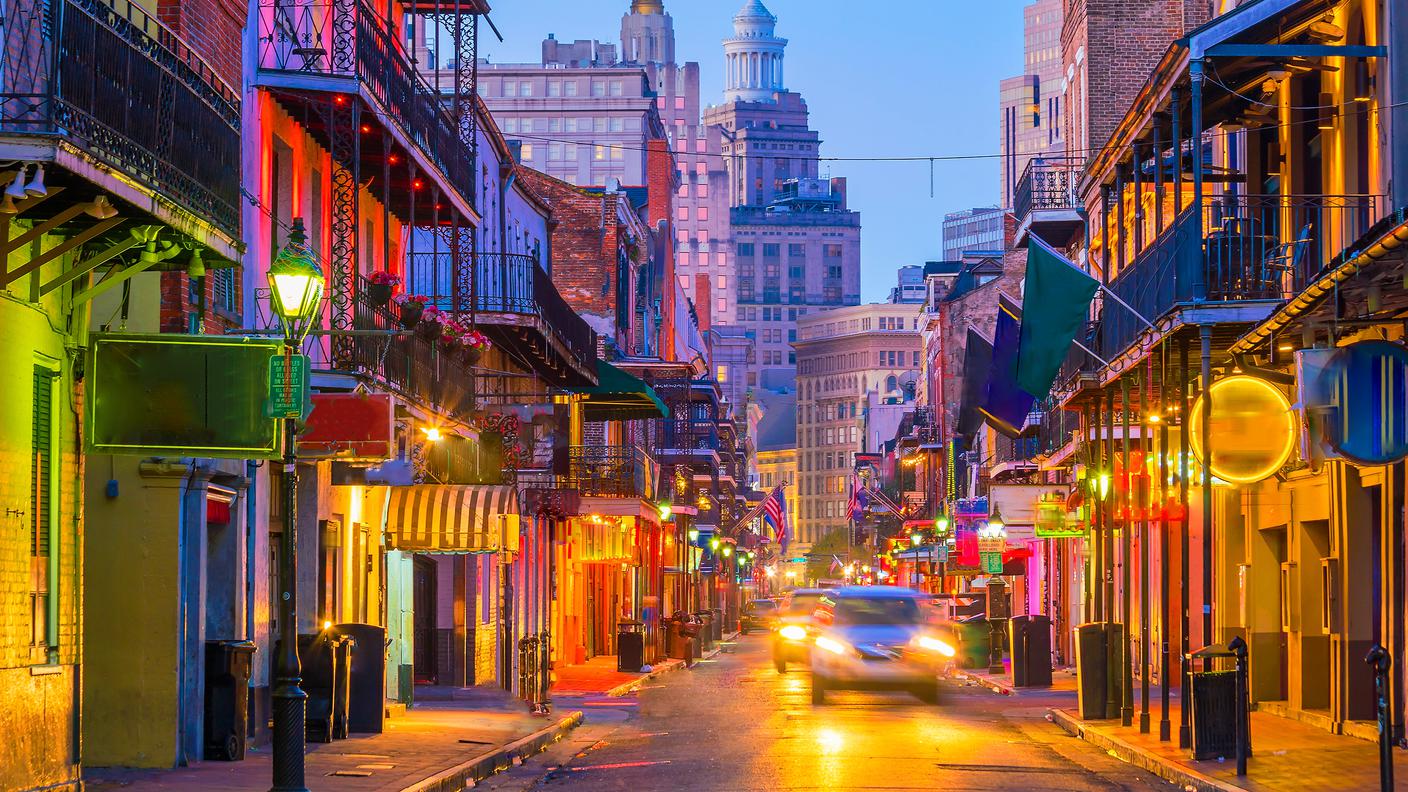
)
(1253, 429)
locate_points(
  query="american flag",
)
(775, 512)
(855, 508)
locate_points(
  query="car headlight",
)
(832, 646)
(935, 645)
(793, 633)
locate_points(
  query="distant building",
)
(777, 452)
(973, 229)
(796, 245)
(909, 286)
(1031, 102)
(844, 357)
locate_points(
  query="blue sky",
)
(897, 78)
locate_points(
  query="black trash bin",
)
(318, 656)
(227, 667)
(1029, 638)
(706, 629)
(1215, 707)
(974, 638)
(342, 645)
(1092, 669)
(366, 678)
(630, 645)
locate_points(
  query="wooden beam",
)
(31, 235)
(63, 247)
(88, 265)
(1295, 51)
(110, 281)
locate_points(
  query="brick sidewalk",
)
(435, 745)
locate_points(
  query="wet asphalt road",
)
(734, 723)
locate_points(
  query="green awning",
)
(619, 396)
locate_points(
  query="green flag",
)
(1055, 305)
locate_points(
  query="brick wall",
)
(662, 183)
(212, 29)
(585, 238)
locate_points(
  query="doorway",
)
(427, 671)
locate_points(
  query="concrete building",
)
(909, 285)
(798, 255)
(973, 229)
(844, 357)
(1031, 102)
(777, 453)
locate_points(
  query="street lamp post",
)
(296, 292)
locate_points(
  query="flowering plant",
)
(418, 299)
(475, 340)
(431, 313)
(383, 278)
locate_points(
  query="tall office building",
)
(586, 112)
(909, 285)
(981, 229)
(796, 244)
(846, 358)
(1031, 102)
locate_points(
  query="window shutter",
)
(42, 434)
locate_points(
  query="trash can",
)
(1092, 670)
(1215, 707)
(1029, 638)
(366, 678)
(343, 645)
(318, 657)
(706, 629)
(974, 638)
(227, 667)
(630, 645)
(718, 614)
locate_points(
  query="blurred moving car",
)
(791, 639)
(759, 614)
(879, 638)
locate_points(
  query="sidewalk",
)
(436, 745)
(599, 677)
(1287, 755)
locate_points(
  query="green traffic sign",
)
(288, 386)
(992, 563)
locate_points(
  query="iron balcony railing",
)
(613, 471)
(408, 364)
(1253, 247)
(507, 283)
(352, 39)
(686, 434)
(1016, 449)
(1047, 184)
(107, 77)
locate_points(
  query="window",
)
(525, 88)
(702, 214)
(569, 88)
(42, 473)
(598, 88)
(616, 124)
(223, 295)
(679, 102)
(510, 88)
(598, 124)
(722, 373)
(554, 88)
(682, 213)
(569, 125)
(598, 152)
(618, 88)
(721, 281)
(569, 152)
(771, 250)
(745, 249)
(618, 153)
(527, 151)
(554, 152)
(554, 124)
(703, 190)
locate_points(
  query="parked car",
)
(792, 637)
(758, 615)
(879, 638)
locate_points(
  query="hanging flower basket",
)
(430, 327)
(412, 308)
(380, 287)
(471, 355)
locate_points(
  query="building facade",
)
(972, 230)
(844, 357)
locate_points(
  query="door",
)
(426, 670)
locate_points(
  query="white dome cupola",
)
(753, 56)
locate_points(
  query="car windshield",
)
(762, 605)
(877, 610)
(803, 604)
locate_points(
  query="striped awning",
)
(452, 519)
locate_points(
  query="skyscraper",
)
(796, 244)
(973, 229)
(1031, 102)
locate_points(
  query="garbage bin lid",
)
(1209, 652)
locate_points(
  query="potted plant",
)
(452, 333)
(475, 344)
(381, 285)
(412, 307)
(430, 323)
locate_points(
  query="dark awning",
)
(619, 396)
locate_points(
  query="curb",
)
(465, 774)
(1139, 757)
(995, 686)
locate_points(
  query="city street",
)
(735, 724)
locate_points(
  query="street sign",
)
(288, 386)
(992, 563)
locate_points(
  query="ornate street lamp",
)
(296, 294)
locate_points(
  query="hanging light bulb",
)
(36, 187)
(7, 206)
(16, 188)
(196, 269)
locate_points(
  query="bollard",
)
(1238, 647)
(1379, 660)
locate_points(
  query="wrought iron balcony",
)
(407, 364)
(1046, 202)
(516, 304)
(108, 78)
(1253, 248)
(613, 471)
(339, 47)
